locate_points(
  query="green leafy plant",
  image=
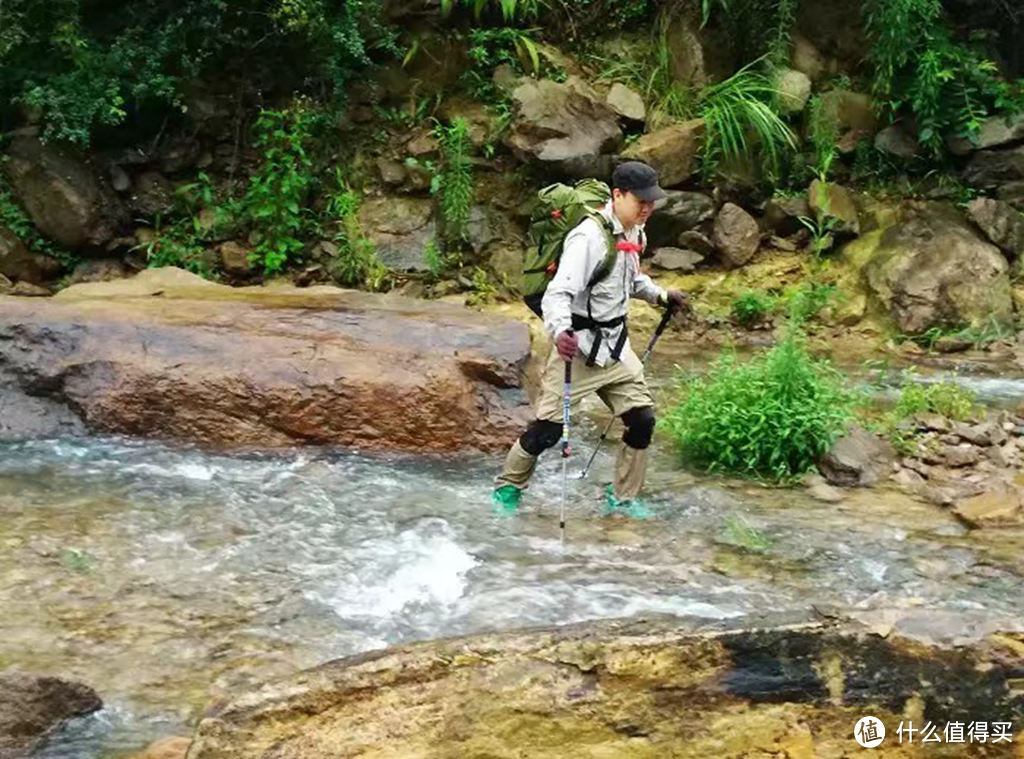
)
(739, 532)
(947, 86)
(455, 180)
(945, 398)
(977, 336)
(751, 308)
(176, 244)
(355, 262)
(511, 10)
(806, 301)
(774, 415)
(484, 290)
(274, 202)
(83, 66)
(823, 130)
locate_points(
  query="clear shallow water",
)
(166, 577)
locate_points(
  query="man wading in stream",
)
(587, 320)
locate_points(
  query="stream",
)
(166, 577)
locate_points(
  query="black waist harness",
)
(597, 327)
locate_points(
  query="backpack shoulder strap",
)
(605, 267)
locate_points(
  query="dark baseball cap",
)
(639, 179)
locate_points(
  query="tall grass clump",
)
(772, 416)
(455, 180)
(741, 120)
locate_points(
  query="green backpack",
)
(560, 208)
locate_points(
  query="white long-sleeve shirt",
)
(584, 249)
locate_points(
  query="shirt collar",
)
(608, 212)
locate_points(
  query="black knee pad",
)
(540, 436)
(639, 427)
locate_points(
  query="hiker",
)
(587, 320)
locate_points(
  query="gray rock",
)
(961, 455)
(179, 154)
(19, 263)
(681, 212)
(28, 290)
(783, 214)
(1002, 223)
(697, 242)
(736, 235)
(829, 198)
(153, 194)
(119, 178)
(794, 90)
(676, 259)
(857, 459)
(895, 141)
(98, 270)
(391, 172)
(995, 131)
(400, 228)
(5, 285)
(626, 102)
(234, 258)
(989, 169)
(31, 705)
(69, 201)
(557, 121)
(480, 228)
(983, 434)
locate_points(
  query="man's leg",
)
(522, 457)
(631, 460)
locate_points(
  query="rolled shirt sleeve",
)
(643, 287)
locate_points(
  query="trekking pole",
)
(565, 443)
(643, 360)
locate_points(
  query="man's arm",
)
(579, 258)
(643, 287)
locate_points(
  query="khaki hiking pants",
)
(620, 384)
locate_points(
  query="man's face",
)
(630, 209)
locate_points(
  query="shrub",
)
(775, 415)
(274, 202)
(356, 261)
(751, 308)
(946, 398)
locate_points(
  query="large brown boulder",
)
(67, 198)
(167, 354)
(930, 269)
(19, 263)
(671, 150)
(31, 705)
(774, 685)
(561, 121)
